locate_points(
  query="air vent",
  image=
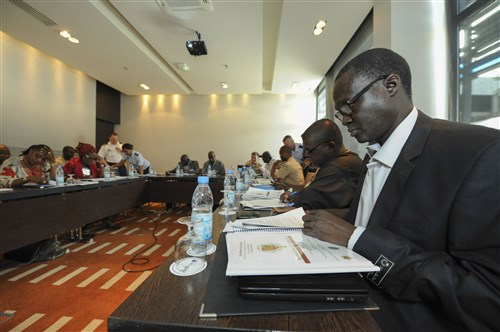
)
(33, 12)
(176, 6)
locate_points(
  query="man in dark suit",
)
(427, 208)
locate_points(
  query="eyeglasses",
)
(346, 108)
(309, 151)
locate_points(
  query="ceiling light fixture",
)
(144, 86)
(65, 34)
(182, 66)
(319, 27)
(224, 85)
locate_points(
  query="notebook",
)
(338, 287)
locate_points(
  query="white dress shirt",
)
(382, 159)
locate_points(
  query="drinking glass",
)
(190, 250)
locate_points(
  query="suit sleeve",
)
(464, 275)
(330, 189)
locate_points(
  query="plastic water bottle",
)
(240, 186)
(229, 195)
(247, 178)
(151, 170)
(209, 170)
(198, 244)
(59, 175)
(202, 204)
(131, 171)
(107, 173)
(177, 171)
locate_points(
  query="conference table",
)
(35, 213)
(179, 189)
(165, 302)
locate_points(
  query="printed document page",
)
(289, 252)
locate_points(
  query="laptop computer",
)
(337, 287)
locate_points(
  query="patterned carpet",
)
(79, 290)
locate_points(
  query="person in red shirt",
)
(86, 165)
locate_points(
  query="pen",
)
(290, 204)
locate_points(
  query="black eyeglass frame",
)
(342, 110)
(309, 151)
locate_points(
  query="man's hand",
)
(328, 227)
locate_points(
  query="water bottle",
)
(198, 244)
(229, 195)
(107, 173)
(177, 171)
(209, 170)
(59, 175)
(202, 204)
(131, 171)
(247, 178)
(240, 186)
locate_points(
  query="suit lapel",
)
(393, 188)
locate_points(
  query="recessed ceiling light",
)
(320, 24)
(73, 40)
(144, 86)
(224, 85)
(319, 27)
(65, 34)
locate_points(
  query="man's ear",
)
(392, 84)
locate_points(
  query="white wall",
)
(162, 128)
(42, 99)
(416, 29)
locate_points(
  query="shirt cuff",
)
(355, 236)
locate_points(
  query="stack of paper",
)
(276, 245)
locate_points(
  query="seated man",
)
(215, 165)
(297, 148)
(254, 163)
(287, 172)
(86, 165)
(268, 164)
(68, 152)
(186, 165)
(135, 159)
(337, 178)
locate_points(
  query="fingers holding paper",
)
(326, 226)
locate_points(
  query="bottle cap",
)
(203, 179)
(229, 171)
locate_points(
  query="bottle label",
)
(207, 220)
(230, 197)
(59, 180)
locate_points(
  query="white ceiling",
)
(256, 46)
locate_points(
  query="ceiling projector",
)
(196, 47)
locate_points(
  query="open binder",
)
(274, 250)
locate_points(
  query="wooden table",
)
(28, 215)
(165, 302)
